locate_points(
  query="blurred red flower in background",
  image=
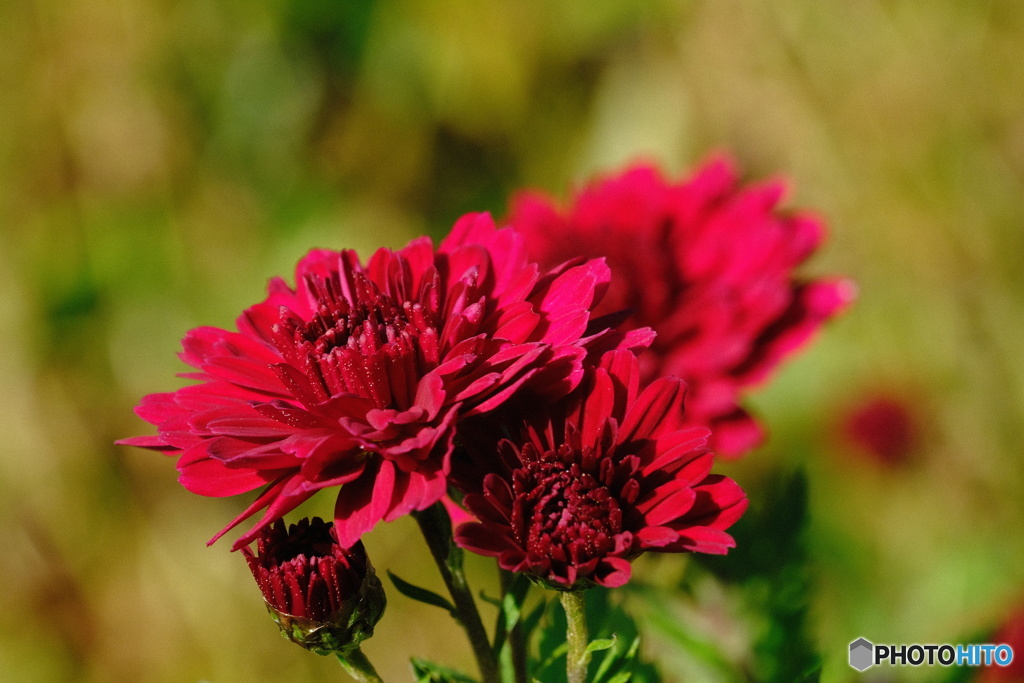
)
(709, 265)
(356, 377)
(582, 486)
(884, 427)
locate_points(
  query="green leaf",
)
(532, 620)
(509, 610)
(813, 675)
(612, 661)
(607, 662)
(553, 656)
(512, 602)
(609, 619)
(510, 607)
(771, 568)
(634, 648)
(489, 600)
(428, 672)
(615, 634)
(548, 660)
(600, 644)
(421, 594)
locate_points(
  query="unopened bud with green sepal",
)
(323, 597)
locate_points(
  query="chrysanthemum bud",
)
(323, 597)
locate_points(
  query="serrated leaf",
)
(428, 672)
(421, 594)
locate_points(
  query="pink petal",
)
(151, 442)
(264, 499)
(658, 408)
(209, 477)
(656, 537)
(481, 539)
(706, 540)
(615, 572)
(458, 514)
(352, 517)
(735, 434)
(596, 408)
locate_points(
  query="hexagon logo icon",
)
(861, 654)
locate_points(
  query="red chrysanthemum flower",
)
(583, 486)
(322, 596)
(356, 377)
(708, 264)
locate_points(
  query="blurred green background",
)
(159, 161)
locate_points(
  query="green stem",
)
(359, 667)
(577, 659)
(516, 641)
(436, 527)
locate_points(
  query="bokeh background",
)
(159, 161)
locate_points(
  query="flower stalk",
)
(359, 667)
(435, 525)
(578, 657)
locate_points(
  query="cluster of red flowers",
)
(558, 349)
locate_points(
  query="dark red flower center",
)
(361, 341)
(567, 514)
(303, 571)
(308, 539)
